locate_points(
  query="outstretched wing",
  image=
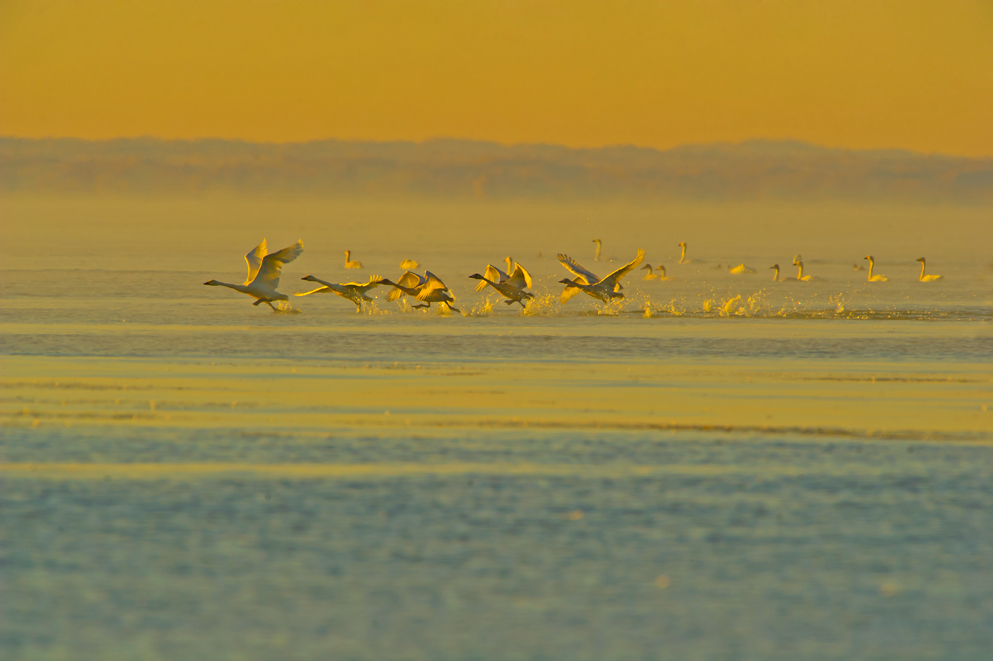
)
(254, 260)
(616, 276)
(493, 274)
(314, 291)
(272, 264)
(520, 278)
(434, 283)
(588, 277)
(410, 280)
(569, 292)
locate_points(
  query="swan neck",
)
(922, 270)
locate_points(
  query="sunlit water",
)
(717, 467)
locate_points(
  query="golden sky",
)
(914, 74)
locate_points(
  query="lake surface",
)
(719, 466)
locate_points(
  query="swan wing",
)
(410, 280)
(569, 292)
(616, 276)
(520, 278)
(254, 260)
(433, 284)
(493, 274)
(577, 270)
(272, 264)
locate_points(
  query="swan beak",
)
(207, 283)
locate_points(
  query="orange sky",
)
(853, 73)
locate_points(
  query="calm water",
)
(719, 467)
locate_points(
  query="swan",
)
(588, 282)
(408, 264)
(349, 264)
(513, 288)
(427, 288)
(858, 267)
(495, 274)
(927, 278)
(775, 276)
(740, 269)
(874, 278)
(655, 276)
(682, 257)
(353, 291)
(599, 245)
(804, 278)
(263, 273)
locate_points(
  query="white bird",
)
(428, 289)
(682, 257)
(408, 264)
(263, 273)
(874, 278)
(804, 278)
(514, 287)
(495, 274)
(599, 245)
(349, 263)
(927, 278)
(655, 276)
(588, 282)
(353, 291)
(740, 269)
(775, 276)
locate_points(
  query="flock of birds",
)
(264, 270)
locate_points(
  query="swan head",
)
(647, 266)
(775, 266)
(212, 283)
(309, 277)
(919, 259)
(566, 281)
(660, 269)
(797, 263)
(869, 257)
(476, 276)
(682, 244)
(796, 259)
(596, 241)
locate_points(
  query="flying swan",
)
(353, 291)
(263, 273)
(514, 287)
(427, 289)
(588, 282)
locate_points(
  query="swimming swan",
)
(263, 273)
(428, 289)
(588, 282)
(741, 269)
(927, 278)
(655, 276)
(353, 291)
(775, 276)
(349, 264)
(682, 257)
(874, 278)
(805, 278)
(513, 287)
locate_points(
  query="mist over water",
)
(718, 466)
